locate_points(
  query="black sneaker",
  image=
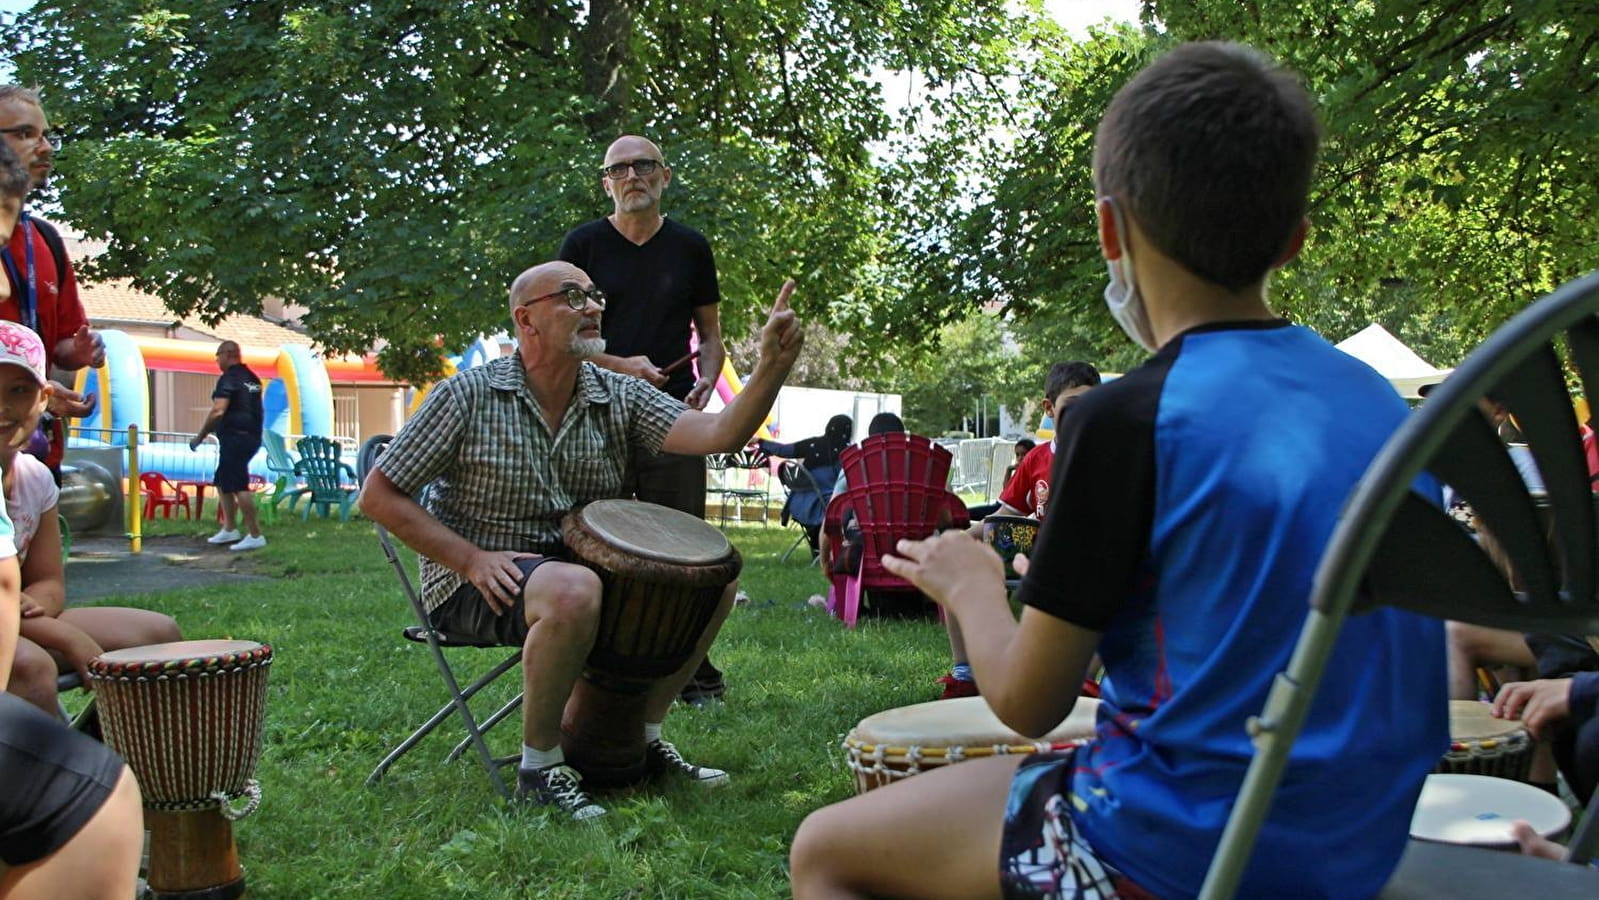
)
(705, 687)
(559, 786)
(661, 756)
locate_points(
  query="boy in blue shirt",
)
(1203, 487)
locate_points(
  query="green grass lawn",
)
(345, 687)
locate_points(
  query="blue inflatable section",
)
(126, 385)
(298, 401)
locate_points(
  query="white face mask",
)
(1121, 294)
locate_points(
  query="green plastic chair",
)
(323, 470)
(280, 463)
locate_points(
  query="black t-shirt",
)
(652, 289)
(239, 386)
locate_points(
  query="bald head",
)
(545, 278)
(630, 147)
(228, 355)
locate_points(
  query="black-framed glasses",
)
(576, 298)
(28, 134)
(640, 167)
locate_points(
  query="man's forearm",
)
(712, 354)
(67, 355)
(392, 508)
(748, 409)
(212, 420)
(607, 361)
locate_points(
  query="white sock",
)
(652, 732)
(534, 758)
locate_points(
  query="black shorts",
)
(233, 462)
(55, 780)
(465, 614)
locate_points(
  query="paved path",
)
(103, 567)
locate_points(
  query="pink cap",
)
(19, 346)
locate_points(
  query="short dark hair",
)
(1211, 150)
(1063, 375)
(1025, 443)
(884, 423)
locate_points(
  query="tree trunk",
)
(607, 53)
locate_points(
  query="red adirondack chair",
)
(896, 490)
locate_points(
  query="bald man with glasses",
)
(505, 450)
(40, 289)
(660, 277)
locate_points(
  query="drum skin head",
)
(177, 650)
(1470, 720)
(1479, 809)
(656, 532)
(965, 722)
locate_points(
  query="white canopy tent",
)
(1406, 371)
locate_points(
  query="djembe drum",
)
(188, 718)
(664, 573)
(1480, 744)
(898, 743)
(1009, 536)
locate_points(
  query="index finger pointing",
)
(783, 294)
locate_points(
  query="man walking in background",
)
(659, 276)
(235, 418)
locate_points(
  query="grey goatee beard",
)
(584, 348)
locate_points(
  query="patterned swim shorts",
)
(1042, 856)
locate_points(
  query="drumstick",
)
(680, 363)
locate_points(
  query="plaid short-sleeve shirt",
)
(495, 474)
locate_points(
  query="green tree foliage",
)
(1457, 181)
(967, 366)
(391, 164)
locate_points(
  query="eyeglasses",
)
(575, 297)
(640, 167)
(28, 134)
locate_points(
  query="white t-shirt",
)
(33, 494)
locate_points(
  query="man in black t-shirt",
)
(659, 276)
(236, 418)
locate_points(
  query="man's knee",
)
(563, 594)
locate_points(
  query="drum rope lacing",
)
(170, 770)
(916, 755)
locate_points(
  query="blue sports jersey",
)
(1204, 486)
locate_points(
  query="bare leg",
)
(120, 627)
(562, 603)
(1471, 646)
(101, 862)
(33, 677)
(665, 691)
(932, 836)
(957, 644)
(230, 511)
(245, 500)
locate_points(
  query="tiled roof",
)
(116, 301)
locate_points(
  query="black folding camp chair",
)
(437, 642)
